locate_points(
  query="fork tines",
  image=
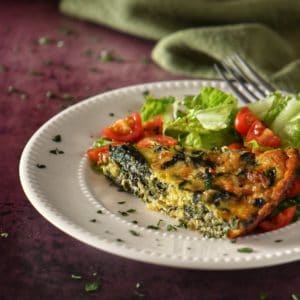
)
(252, 86)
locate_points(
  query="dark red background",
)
(36, 259)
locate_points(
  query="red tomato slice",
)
(163, 140)
(99, 154)
(129, 129)
(153, 127)
(295, 189)
(243, 120)
(235, 146)
(284, 218)
(264, 136)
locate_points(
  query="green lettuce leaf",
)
(208, 141)
(101, 142)
(291, 132)
(157, 106)
(207, 120)
(279, 102)
(209, 97)
(282, 115)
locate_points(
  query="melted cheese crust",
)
(242, 186)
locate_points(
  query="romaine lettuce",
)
(205, 120)
(157, 106)
(282, 115)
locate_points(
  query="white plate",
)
(69, 194)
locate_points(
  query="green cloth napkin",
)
(193, 34)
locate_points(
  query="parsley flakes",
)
(153, 227)
(133, 232)
(91, 286)
(40, 166)
(245, 250)
(74, 276)
(57, 138)
(56, 151)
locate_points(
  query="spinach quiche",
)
(220, 192)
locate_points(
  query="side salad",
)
(213, 119)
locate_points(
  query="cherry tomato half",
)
(129, 129)
(153, 127)
(264, 136)
(282, 219)
(243, 120)
(163, 140)
(98, 155)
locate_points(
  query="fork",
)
(252, 86)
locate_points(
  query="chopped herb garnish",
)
(74, 276)
(153, 227)
(134, 222)
(67, 31)
(181, 224)
(44, 40)
(91, 286)
(123, 213)
(134, 233)
(111, 114)
(4, 235)
(120, 240)
(207, 183)
(171, 228)
(99, 211)
(233, 241)
(57, 138)
(40, 166)
(56, 151)
(278, 241)
(131, 210)
(138, 293)
(13, 90)
(107, 56)
(67, 97)
(159, 222)
(245, 250)
(93, 220)
(121, 202)
(146, 93)
(51, 95)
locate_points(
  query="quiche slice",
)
(220, 193)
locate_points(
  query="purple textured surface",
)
(37, 260)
